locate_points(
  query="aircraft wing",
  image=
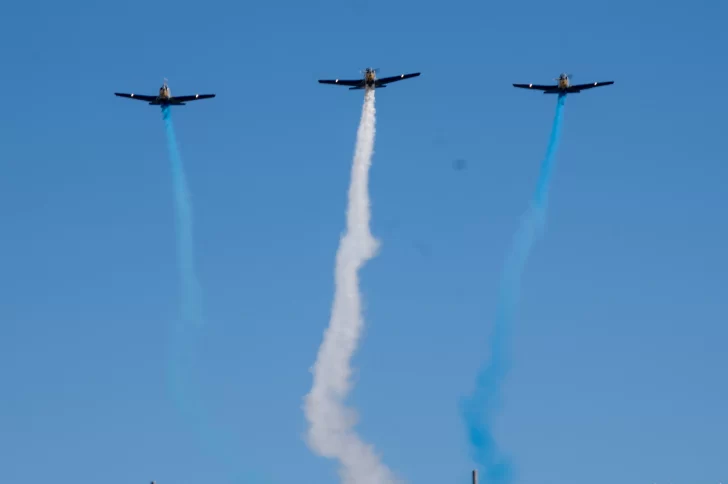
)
(342, 82)
(387, 80)
(184, 99)
(537, 86)
(581, 87)
(140, 97)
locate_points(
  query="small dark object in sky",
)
(423, 248)
(459, 164)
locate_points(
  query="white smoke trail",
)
(331, 424)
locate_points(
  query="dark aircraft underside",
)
(363, 83)
(375, 85)
(172, 102)
(555, 89)
(160, 101)
(568, 90)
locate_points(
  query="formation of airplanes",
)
(369, 80)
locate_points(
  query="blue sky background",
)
(619, 347)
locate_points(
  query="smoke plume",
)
(480, 408)
(191, 304)
(182, 365)
(331, 424)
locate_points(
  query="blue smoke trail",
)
(182, 365)
(478, 410)
(191, 304)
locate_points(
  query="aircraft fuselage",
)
(562, 86)
(164, 98)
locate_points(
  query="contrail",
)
(478, 410)
(331, 423)
(182, 364)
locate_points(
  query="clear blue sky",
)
(619, 347)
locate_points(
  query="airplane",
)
(165, 97)
(369, 80)
(563, 86)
